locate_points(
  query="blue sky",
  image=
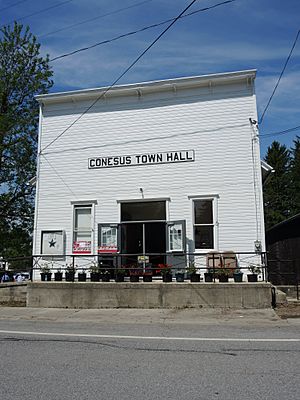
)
(244, 34)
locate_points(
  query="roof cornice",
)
(150, 87)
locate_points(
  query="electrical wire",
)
(12, 5)
(120, 76)
(280, 76)
(94, 18)
(37, 12)
(139, 30)
(280, 132)
(150, 139)
(60, 177)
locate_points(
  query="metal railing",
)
(217, 264)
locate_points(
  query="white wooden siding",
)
(213, 122)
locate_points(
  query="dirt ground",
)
(289, 310)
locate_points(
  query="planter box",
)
(134, 278)
(208, 277)
(46, 276)
(95, 277)
(223, 278)
(58, 276)
(105, 277)
(167, 278)
(147, 278)
(238, 277)
(81, 277)
(70, 276)
(119, 278)
(179, 277)
(195, 277)
(252, 278)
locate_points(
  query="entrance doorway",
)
(143, 231)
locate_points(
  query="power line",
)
(57, 174)
(12, 5)
(280, 76)
(138, 31)
(37, 12)
(121, 76)
(150, 139)
(281, 132)
(95, 18)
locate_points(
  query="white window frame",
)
(100, 238)
(78, 205)
(214, 198)
(170, 225)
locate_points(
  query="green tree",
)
(295, 176)
(277, 189)
(23, 74)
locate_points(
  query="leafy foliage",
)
(282, 189)
(23, 74)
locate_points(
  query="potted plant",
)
(82, 276)
(120, 274)
(94, 272)
(238, 275)
(166, 272)
(135, 271)
(147, 274)
(45, 273)
(222, 274)
(255, 270)
(192, 272)
(179, 276)
(209, 275)
(70, 272)
(58, 276)
(105, 275)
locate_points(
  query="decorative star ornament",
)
(52, 243)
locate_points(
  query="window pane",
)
(143, 211)
(203, 212)
(175, 237)
(204, 237)
(82, 218)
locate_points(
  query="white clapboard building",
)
(157, 167)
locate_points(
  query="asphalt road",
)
(148, 354)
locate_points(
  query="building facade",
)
(158, 167)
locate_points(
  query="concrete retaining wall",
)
(148, 295)
(13, 294)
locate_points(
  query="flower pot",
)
(45, 276)
(238, 277)
(195, 277)
(223, 278)
(147, 278)
(134, 278)
(105, 277)
(167, 277)
(81, 277)
(252, 278)
(95, 277)
(208, 277)
(179, 277)
(119, 277)
(70, 276)
(58, 276)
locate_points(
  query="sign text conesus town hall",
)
(142, 159)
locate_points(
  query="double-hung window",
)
(204, 223)
(82, 231)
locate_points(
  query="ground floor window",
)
(82, 229)
(204, 223)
